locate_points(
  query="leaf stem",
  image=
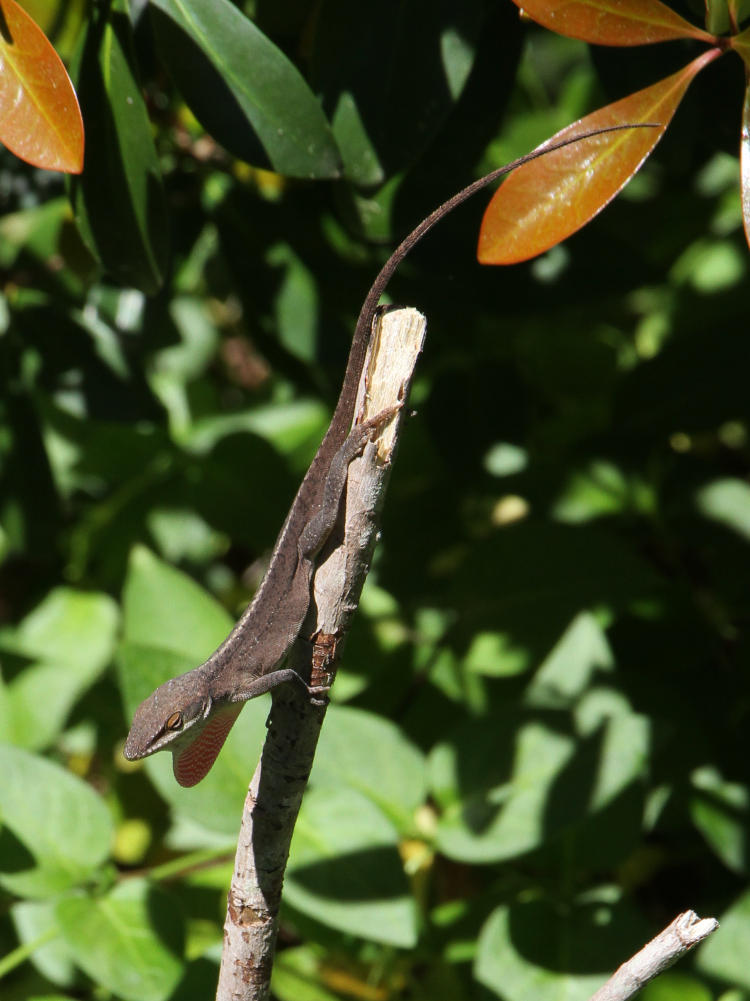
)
(23, 952)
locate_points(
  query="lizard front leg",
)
(312, 538)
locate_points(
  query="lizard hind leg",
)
(319, 527)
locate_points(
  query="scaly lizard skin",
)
(192, 714)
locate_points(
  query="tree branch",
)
(686, 931)
(276, 790)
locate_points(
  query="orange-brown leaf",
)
(612, 22)
(546, 200)
(40, 120)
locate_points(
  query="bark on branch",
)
(686, 931)
(276, 790)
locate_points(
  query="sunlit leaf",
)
(612, 22)
(535, 951)
(724, 956)
(345, 870)
(56, 829)
(546, 200)
(130, 940)
(40, 120)
(243, 89)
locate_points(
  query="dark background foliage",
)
(537, 752)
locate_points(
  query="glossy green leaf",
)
(56, 832)
(243, 89)
(602, 22)
(345, 870)
(129, 941)
(119, 201)
(40, 120)
(545, 201)
(386, 100)
(370, 754)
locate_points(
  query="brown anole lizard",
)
(192, 714)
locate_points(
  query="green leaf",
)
(32, 918)
(166, 610)
(488, 819)
(581, 652)
(68, 627)
(728, 502)
(345, 870)
(119, 201)
(71, 636)
(672, 986)
(507, 789)
(719, 809)
(600, 490)
(129, 941)
(243, 89)
(56, 832)
(534, 951)
(724, 955)
(298, 975)
(530, 580)
(296, 304)
(389, 98)
(371, 755)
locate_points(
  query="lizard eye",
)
(174, 722)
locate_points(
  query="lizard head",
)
(179, 718)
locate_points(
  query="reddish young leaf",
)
(546, 200)
(40, 120)
(612, 22)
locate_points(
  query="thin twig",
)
(686, 931)
(280, 779)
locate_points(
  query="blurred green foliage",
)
(537, 753)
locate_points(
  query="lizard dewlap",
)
(192, 762)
